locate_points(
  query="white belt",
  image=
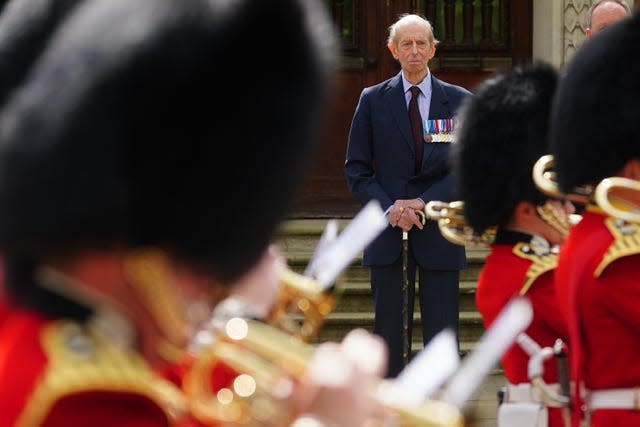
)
(614, 398)
(524, 393)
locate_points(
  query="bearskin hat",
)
(165, 123)
(25, 28)
(502, 132)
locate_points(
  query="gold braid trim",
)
(80, 360)
(626, 241)
(147, 272)
(540, 264)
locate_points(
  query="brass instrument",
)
(264, 365)
(255, 389)
(261, 363)
(306, 300)
(270, 363)
(227, 384)
(615, 196)
(453, 225)
(545, 180)
(302, 305)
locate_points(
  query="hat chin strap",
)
(549, 214)
(148, 273)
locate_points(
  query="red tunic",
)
(599, 283)
(60, 373)
(57, 373)
(507, 273)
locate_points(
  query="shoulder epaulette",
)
(540, 263)
(626, 241)
(79, 361)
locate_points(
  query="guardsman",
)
(596, 134)
(503, 130)
(144, 164)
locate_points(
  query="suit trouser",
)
(438, 293)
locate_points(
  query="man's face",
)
(413, 49)
(604, 15)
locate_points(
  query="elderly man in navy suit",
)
(398, 154)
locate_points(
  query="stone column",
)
(558, 29)
(575, 22)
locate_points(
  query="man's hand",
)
(402, 214)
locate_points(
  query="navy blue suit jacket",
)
(380, 165)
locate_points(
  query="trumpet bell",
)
(241, 372)
(620, 198)
(248, 378)
(453, 225)
(232, 386)
(292, 357)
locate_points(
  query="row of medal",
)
(439, 130)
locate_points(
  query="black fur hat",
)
(25, 28)
(179, 124)
(595, 123)
(502, 132)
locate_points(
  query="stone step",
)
(299, 238)
(354, 303)
(337, 324)
(481, 409)
(356, 296)
(356, 272)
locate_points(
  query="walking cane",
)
(406, 347)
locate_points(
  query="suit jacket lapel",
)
(398, 105)
(438, 109)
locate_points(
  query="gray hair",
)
(411, 18)
(597, 3)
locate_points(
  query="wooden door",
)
(477, 37)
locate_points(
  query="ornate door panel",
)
(477, 37)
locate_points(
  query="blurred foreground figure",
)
(129, 208)
(25, 27)
(503, 131)
(596, 135)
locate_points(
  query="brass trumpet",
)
(231, 385)
(269, 363)
(545, 180)
(615, 196)
(453, 225)
(227, 384)
(242, 372)
(306, 300)
(302, 305)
